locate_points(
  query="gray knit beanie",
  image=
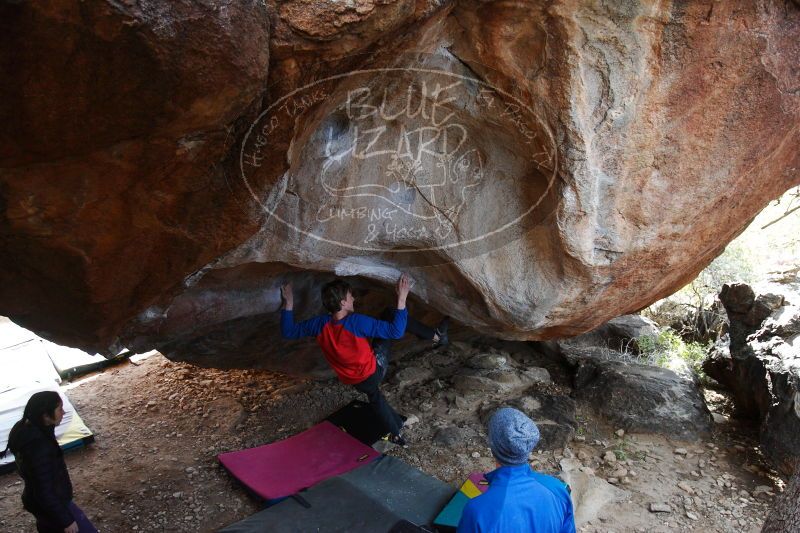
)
(512, 436)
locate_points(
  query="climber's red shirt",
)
(345, 342)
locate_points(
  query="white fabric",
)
(12, 334)
(12, 406)
(65, 358)
(25, 364)
(26, 368)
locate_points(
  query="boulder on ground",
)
(497, 373)
(590, 494)
(554, 415)
(762, 368)
(619, 334)
(488, 361)
(498, 381)
(412, 375)
(453, 436)
(643, 398)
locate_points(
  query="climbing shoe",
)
(398, 440)
(441, 331)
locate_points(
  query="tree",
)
(785, 514)
(792, 197)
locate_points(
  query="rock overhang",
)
(645, 138)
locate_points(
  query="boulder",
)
(488, 361)
(453, 436)
(590, 494)
(558, 164)
(630, 327)
(116, 122)
(411, 375)
(554, 415)
(761, 366)
(502, 378)
(643, 398)
(619, 334)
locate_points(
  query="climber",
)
(518, 499)
(342, 334)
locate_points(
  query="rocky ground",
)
(159, 426)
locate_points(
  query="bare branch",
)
(786, 214)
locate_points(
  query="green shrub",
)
(667, 347)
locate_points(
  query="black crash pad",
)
(371, 498)
(359, 420)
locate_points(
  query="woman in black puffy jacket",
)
(40, 462)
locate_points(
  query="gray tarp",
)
(370, 498)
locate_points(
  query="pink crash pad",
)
(288, 466)
(479, 480)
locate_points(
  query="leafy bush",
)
(668, 350)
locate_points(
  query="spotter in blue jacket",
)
(519, 500)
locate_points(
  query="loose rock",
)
(660, 508)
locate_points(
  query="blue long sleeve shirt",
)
(519, 500)
(345, 342)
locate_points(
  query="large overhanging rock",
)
(539, 167)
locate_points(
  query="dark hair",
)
(333, 293)
(40, 404)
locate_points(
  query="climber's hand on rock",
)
(287, 297)
(403, 286)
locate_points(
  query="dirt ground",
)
(160, 424)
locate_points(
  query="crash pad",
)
(71, 362)
(25, 364)
(12, 334)
(282, 468)
(70, 433)
(404, 526)
(358, 419)
(475, 485)
(373, 497)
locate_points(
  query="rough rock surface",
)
(554, 415)
(494, 373)
(762, 368)
(590, 494)
(638, 397)
(618, 334)
(468, 380)
(560, 163)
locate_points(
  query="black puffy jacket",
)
(40, 461)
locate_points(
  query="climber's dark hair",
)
(40, 404)
(333, 293)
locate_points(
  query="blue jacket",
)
(519, 500)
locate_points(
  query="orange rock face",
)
(538, 167)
